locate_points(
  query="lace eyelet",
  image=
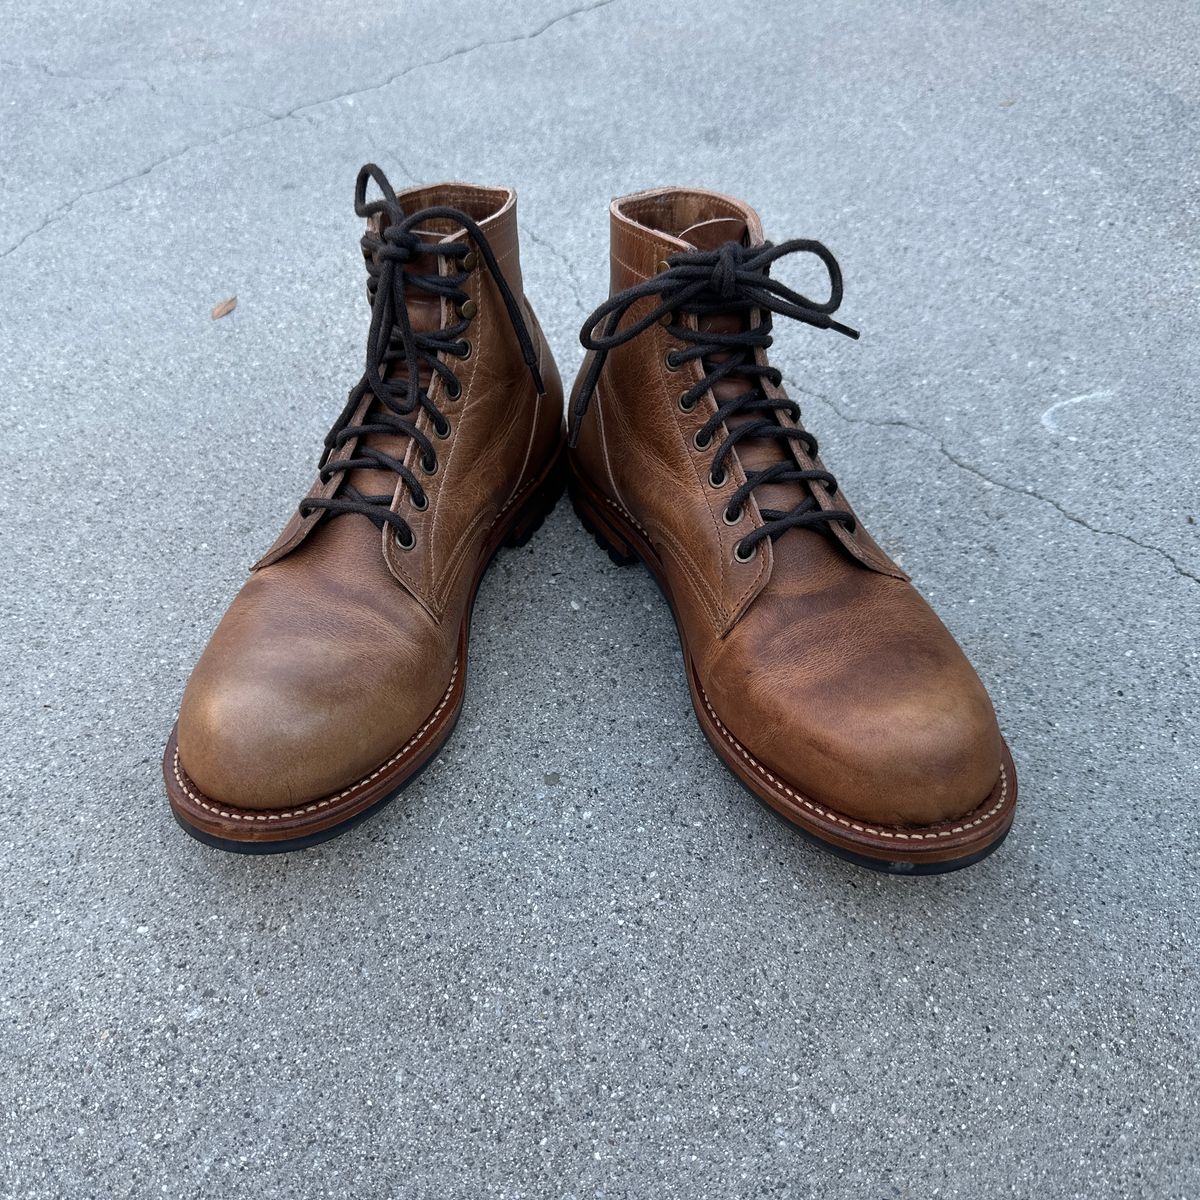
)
(686, 405)
(670, 363)
(470, 261)
(423, 505)
(467, 352)
(740, 556)
(444, 431)
(468, 309)
(456, 393)
(430, 468)
(716, 480)
(400, 541)
(731, 516)
(702, 440)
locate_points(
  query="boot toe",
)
(910, 763)
(903, 752)
(242, 744)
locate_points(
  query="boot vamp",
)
(322, 669)
(844, 683)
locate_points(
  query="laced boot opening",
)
(412, 271)
(717, 301)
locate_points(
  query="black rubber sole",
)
(882, 866)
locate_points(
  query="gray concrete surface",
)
(577, 961)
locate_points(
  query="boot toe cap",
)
(912, 764)
(916, 753)
(241, 744)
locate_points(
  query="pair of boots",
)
(821, 678)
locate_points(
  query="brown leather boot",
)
(820, 676)
(338, 671)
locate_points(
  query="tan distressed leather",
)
(341, 644)
(818, 655)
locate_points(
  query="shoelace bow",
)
(392, 342)
(731, 279)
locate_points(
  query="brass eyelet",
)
(732, 516)
(717, 481)
(427, 468)
(668, 318)
(663, 265)
(685, 405)
(467, 352)
(470, 261)
(424, 504)
(670, 363)
(702, 440)
(468, 309)
(444, 432)
(741, 557)
(404, 545)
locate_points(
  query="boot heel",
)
(608, 537)
(539, 505)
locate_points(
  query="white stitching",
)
(832, 816)
(626, 515)
(318, 804)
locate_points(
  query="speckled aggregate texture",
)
(576, 960)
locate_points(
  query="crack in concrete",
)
(1016, 490)
(51, 73)
(272, 118)
(68, 206)
(575, 283)
(449, 56)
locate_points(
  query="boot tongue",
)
(425, 314)
(755, 454)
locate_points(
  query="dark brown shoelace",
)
(396, 352)
(730, 279)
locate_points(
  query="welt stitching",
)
(247, 815)
(840, 820)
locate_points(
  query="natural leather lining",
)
(673, 211)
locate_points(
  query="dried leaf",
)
(224, 308)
